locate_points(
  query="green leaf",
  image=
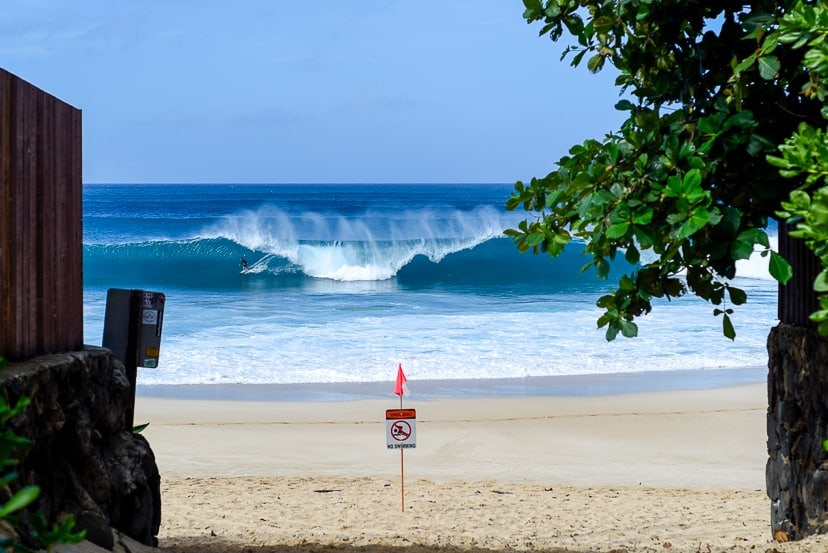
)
(603, 23)
(800, 199)
(595, 63)
(617, 231)
(535, 239)
(644, 217)
(741, 250)
(673, 188)
(737, 295)
(643, 12)
(602, 268)
(698, 219)
(744, 65)
(727, 327)
(575, 25)
(776, 161)
(534, 5)
(709, 125)
(629, 329)
(139, 428)
(768, 67)
(692, 179)
(770, 43)
(644, 236)
(779, 268)
(688, 229)
(21, 499)
(821, 281)
(626, 284)
(754, 236)
(632, 255)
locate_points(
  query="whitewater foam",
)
(373, 247)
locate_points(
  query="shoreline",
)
(591, 385)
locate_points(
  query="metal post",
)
(131, 356)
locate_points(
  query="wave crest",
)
(374, 246)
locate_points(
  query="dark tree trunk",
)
(797, 470)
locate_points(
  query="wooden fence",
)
(41, 278)
(797, 299)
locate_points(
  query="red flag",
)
(401, 387)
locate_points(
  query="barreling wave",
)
(213, 263)
(411, 249)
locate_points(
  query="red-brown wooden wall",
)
(41, 273)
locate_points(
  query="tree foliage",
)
(805, 154)
(714, 94)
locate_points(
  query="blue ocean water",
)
(347, 281)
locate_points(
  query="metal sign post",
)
(132, 330)
(401, 433)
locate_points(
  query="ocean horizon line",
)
(315, 183)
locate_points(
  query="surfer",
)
(243, 264)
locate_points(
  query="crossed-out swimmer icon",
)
(400, 431)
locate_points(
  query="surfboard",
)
(258, 266)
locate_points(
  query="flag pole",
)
(402, 468)
(402, 480)
(400, 389)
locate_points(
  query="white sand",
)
(678, 471)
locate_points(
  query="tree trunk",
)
(797, 470)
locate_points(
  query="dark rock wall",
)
(797, 469)
(82, 456)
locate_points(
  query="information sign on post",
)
(132, 330)
(401, 428)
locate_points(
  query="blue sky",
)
(295, 91)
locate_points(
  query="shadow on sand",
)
(199, 546)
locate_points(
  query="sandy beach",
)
(661, 471)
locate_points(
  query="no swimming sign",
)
(401, 428)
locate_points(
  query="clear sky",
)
(295, 91)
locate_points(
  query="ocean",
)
(346, 281)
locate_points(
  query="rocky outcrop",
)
(82, 456)
(797, 468)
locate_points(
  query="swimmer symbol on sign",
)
(400, 431)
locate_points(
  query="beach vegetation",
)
(42, 534)
(138, 428)
(725, 131)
